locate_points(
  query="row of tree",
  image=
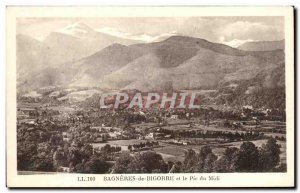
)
(247, 158)
(231, 136)
(110, 149)
(141, 145)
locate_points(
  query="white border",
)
(228, 180)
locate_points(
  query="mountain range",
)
(78, 56)
(262, 46)
(68, 44)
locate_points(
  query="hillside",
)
(176, 63)
(67, 45)
(30, 55)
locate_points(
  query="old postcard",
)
(150, 97)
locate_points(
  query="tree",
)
(222, 165)
(248, 158)
(136, 165)
(122, 163)
(269, 155)
(228, 162)
(130, 147)
(190, 161)
(43, 164)
(204, 161)
(147, 162)
(232, 155)
(204, 153)
(176, 168)
(74, 156)
(27, 151)
(58, 158)
(209, 163)
(96, 166)
(118, 149)
(151, 160)
(79, 168)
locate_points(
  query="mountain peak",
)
(77, 29)
(180, 38)
(185, 38)
(116, 45)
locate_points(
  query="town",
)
(150, 99)
(55, 136)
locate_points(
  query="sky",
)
(232, 31)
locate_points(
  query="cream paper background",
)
(70, 180)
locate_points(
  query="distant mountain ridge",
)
(263, 45)
(68, 44)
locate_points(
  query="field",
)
(60, 108)
(121, 143)
(218, 148)
(172, 152)
(214, 128)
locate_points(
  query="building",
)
(66, 136)
(64, 169)
(149, 136)
(174, 117)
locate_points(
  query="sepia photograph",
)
(113, 96)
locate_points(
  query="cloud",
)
(151, 29)
(244, 30)
(235, 42)
(140, 37)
